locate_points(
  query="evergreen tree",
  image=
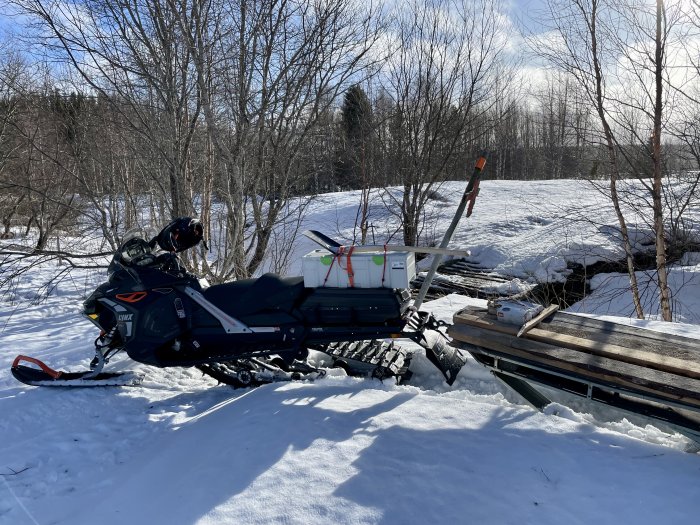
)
(352, 168)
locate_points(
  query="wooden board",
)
(589, 342)
(625, 335)
(532, 323)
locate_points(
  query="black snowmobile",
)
(244, 333)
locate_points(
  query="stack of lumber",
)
(629, 359)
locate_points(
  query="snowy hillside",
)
(180, 449)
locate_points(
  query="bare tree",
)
(686, 129)
(617, 51)
(267, 72)
(132, 52)
(441, 76)
(578, 50)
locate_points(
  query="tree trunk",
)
(661, 270)
(614, 165)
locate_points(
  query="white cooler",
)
(322, 268)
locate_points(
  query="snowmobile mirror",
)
(180, 235)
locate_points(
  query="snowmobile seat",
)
(251, 296)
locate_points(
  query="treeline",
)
(56, 147)
(70, 154)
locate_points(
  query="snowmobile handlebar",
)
(179, 235)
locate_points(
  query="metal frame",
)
(518, 374)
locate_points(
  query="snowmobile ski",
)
(46, 376)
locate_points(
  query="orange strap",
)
(348, 265)
(351, 273)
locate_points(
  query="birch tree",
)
(617, 53)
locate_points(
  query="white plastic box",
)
(322, 268)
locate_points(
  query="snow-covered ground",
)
(179, 449)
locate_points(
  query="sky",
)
(519, 10)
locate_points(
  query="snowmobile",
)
(243, 333)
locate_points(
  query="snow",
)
(611, 294)
(181, 450)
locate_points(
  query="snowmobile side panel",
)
(353, 306)
(230, 324)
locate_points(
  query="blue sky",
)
(524, 11)
(520, 9)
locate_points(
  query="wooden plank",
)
(598, 369)
(671, 365)
(638, 341)
(656, 347)
(583, 360)
(668, 364)
(532, 323)
(685, 362)
(380, 248)
(573, 321)
(563, 363)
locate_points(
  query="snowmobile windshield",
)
(139, 232)
(136, 248)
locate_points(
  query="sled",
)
(244, 333)
(647, 373)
